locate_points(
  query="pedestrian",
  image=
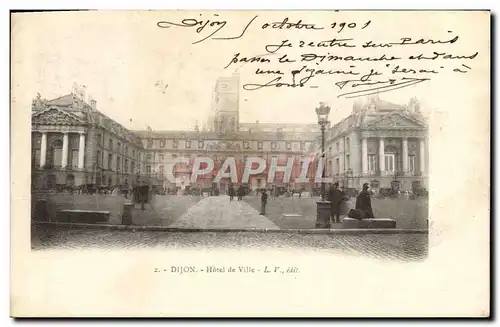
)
(240, 193)
(364, 202)
(231, 193)
(263, 202)
(335, 197)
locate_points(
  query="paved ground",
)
(407, 213)
(220, 212)
(163, 210)
(216, 212)
(398, 247)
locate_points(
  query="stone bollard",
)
(323, 214)
(41, 210)
(127, 213)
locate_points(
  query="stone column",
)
(81, 151)
(64, 162)
(43, 150)
(405, 155)
(381, 156)
(422, 156)
(364, 155)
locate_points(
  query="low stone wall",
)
(83, 216)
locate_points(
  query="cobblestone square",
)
(402, 247)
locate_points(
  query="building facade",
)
(73, 144)
(379, 143)
(224, 136)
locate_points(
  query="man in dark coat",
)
(364, 202)
(240, 193)
(231, 193)
(335, 197)
(263, 202)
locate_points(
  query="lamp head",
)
(322, 111)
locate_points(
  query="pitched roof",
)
(65, 100)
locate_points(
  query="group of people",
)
(363, 207)
(232, 192)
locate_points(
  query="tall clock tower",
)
(226, 104)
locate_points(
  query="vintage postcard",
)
(250, 164)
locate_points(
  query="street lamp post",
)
(323, 206)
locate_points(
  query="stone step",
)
(379, 223)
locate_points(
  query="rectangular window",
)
(132, 167)
(148, 169)
(98, 157)
(174, 156)
(74, 158)
(162, 143)
(372, 162)
(175, 144)
(126, 151)
(246, 145)
(150, 143)
(390, 163)
(110, 144)
(161, 156)
(347, 162)
(347, 144)
(337, 166)
(99, 139)
(273, 145)
(110, 161)
(411, 163)
(302, 146)
(188, 144)
(338, 147)
(149, 157)
(288, 145)
(160, 168)
(118, 147)
(117, 163)
(126, 165)
(36, 157)
(259, 145)
(201, 144)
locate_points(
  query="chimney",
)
(93, 104)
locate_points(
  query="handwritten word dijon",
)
(212, 27)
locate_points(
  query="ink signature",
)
(213, 27)
(390, 84)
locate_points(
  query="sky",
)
(126, 62)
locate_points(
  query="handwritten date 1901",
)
(342, 26)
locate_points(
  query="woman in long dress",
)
(364, 202)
